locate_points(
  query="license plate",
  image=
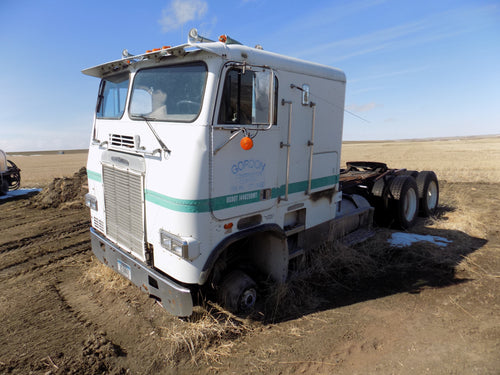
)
(124, 269)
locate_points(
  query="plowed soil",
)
(423, 309)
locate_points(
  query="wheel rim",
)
(410, 205)
(247, 300)
(432, 195)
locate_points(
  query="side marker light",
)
(246, 143)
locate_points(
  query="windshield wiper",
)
(165, 149)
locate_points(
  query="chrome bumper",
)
(176, 299)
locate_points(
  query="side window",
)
(246, 97)
(112, 96)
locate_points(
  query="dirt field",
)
(40, 169)
(371, 309)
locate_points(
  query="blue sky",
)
(415, 69)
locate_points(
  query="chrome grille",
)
(124, 205)
(119, 140)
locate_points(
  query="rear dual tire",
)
(403, 201)
(428, 192)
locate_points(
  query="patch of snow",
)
(400, 239)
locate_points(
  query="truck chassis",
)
(398, 195)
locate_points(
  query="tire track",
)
(47, 236)
(67, 306)
(43, 238)
(35, 263)
(24, 215)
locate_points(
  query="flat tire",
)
(238, 292)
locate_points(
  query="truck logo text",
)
(119, 160)
(248, 166)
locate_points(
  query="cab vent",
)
(119, 140)
(98, 224)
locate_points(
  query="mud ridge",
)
(45, 260)
(47, 237)
(78, 316)
(66, 192)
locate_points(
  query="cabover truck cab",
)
(214, 164)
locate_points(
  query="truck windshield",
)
(169, 93)
(112, 96)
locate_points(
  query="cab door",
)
(244, 178)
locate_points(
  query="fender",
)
(273, 229)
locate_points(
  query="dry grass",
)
(332, 266)
(335, 274)
(461, 216)
(39, 170)
(459, 160)
(204, 337)
(108, 279)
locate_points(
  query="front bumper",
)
(175, 298)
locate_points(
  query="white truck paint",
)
(176, 202)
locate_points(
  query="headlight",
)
(187, 248)
(91, 202)
(174, 244)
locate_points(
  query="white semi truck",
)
(213, 164)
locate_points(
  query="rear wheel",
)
(428, 192)
(380, 200)
(414, 174)
(403, 201)
(238, 292)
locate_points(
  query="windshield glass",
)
(112, 96)
(169, 93)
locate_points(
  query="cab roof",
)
(227, 51)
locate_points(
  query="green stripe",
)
(226, 201)
(181, 205)
(94, 176)
(233, 200)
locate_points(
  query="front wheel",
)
(238, 292)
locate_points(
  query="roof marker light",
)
(228, 40)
